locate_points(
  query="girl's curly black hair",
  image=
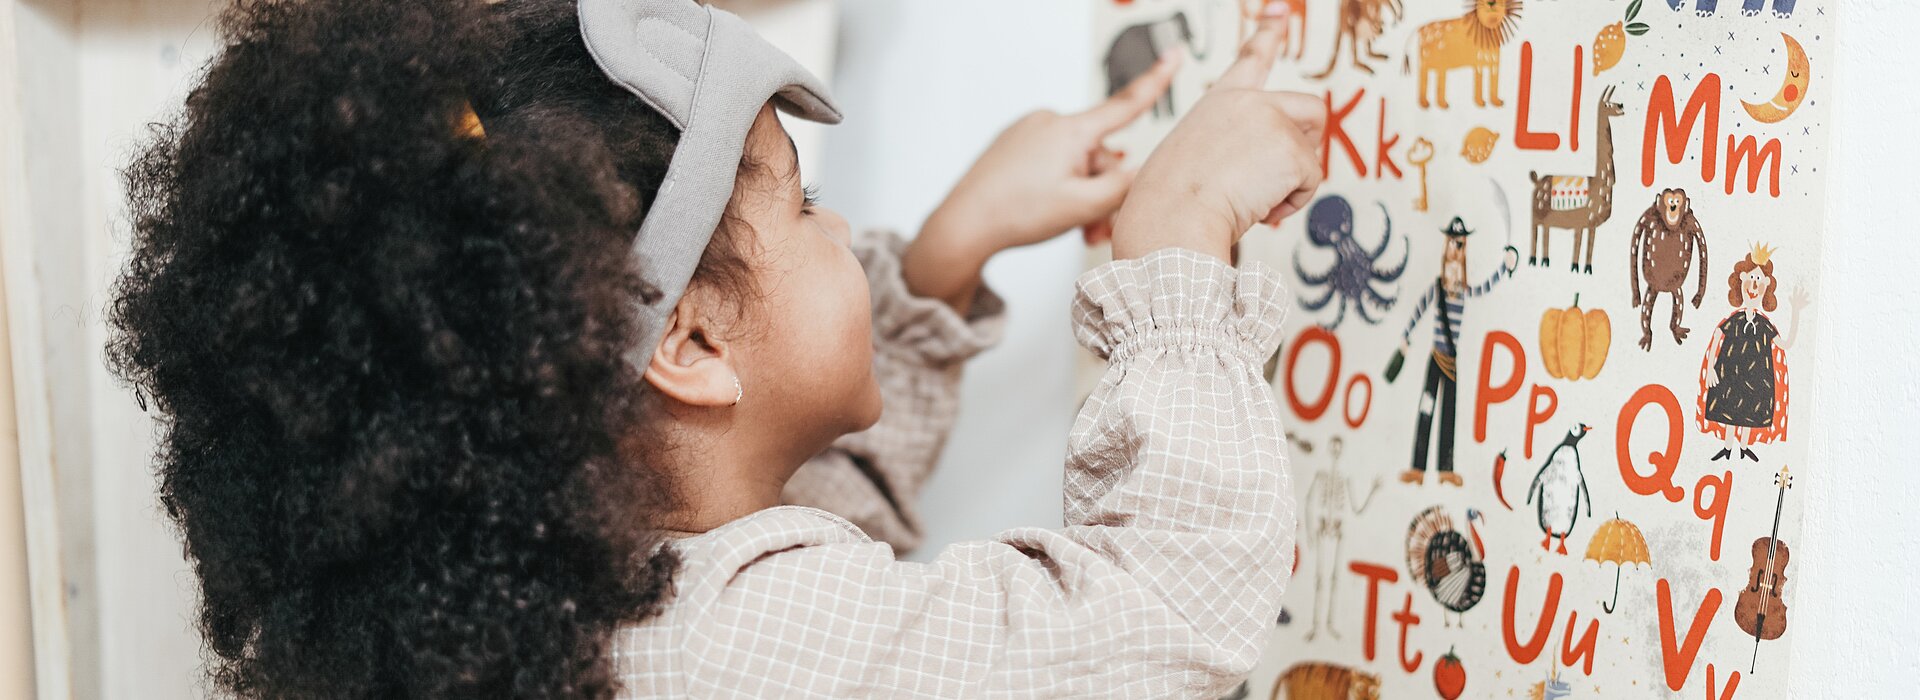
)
(397, 433)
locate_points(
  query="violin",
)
(1760, 611)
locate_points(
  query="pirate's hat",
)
(1456, 228)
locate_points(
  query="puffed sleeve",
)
(1163, 582)
(874, 477)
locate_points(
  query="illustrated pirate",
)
(1448, 297)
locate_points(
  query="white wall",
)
(927, 82)
(1855, 611)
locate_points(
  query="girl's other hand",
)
(1045, 175)
(1242, 156)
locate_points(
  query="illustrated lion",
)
(1472, 41)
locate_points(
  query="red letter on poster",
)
(1678, 656)
(1336, 130)
(1407, 619)
(1309, 336)
(1767, 157)
(1524, 137)
(1733, 682)
(1571, 652)
(1537, 414)
(1679, 128)
(1374, 574)
(1664, 463)
(1486, 394)
(1383, 158)
(1716, 510)
(1526, 653)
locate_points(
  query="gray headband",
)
(709, 73)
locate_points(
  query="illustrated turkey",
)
(1453, 569)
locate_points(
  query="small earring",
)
(738, 393)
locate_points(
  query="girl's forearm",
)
(944, 262)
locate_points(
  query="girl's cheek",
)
(858, 315)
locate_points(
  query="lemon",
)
(1608, 46)
(1478, 146)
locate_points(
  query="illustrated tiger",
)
(1324, 681)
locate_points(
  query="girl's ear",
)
(690, 366)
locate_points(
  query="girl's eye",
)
(810, 197)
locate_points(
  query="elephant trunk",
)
(1186, 33)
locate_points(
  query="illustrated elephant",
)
(1704, 8)
(1136, 48)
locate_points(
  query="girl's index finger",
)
(1134, 99)
(1250, 70)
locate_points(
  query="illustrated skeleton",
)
(1329, 498)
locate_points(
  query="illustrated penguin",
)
(1561, 486)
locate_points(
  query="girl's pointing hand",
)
(1045, 175)
(1242, 156)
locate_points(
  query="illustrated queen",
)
(1743, 378)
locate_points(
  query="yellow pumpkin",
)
(1574, 341)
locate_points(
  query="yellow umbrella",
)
(1620, 543)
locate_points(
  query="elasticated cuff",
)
(1175, 297)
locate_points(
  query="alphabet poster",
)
(1550, 329)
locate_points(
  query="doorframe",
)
(32, 407)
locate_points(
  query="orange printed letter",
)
(1407, 619)
(1309, 336)
(1767, 157)
(1573, 129)
(1524, 136)
(1664, 463)
(1383, 158)
(1526, 653)
(1733, 682)
(1715, 511)
(1660, 113)
(1374, 574)
(1486, 394)
(1537, 415)
(1571, 652)
(1678, 656)
(1336, 130)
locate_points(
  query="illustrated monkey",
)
(1662, 253)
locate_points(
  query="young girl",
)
(488, 336)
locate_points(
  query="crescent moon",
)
(1793, 87)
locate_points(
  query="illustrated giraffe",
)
(1579, 203)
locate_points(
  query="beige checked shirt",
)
(1163, 583)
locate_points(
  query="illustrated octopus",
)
(1355, 278)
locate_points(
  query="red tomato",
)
(1449, 677)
